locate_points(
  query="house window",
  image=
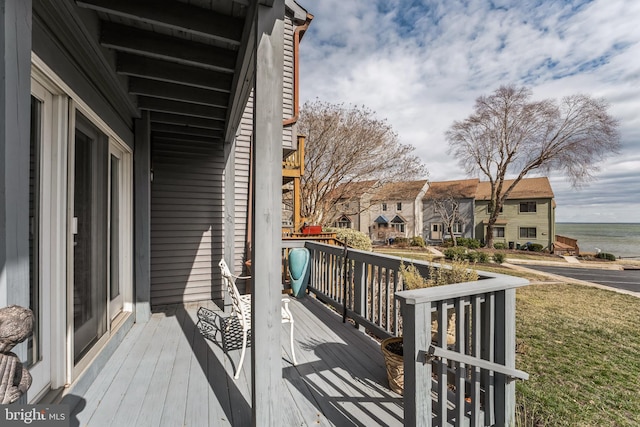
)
(384, 206)
(399, 227)
(498, 231)
(399, 206)
(457, 227)
(343, 222)
(529, 207)
(528, 232)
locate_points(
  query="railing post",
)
(417, 369)
(359, 293)
(505, 389)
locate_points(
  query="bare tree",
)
(448, 207)
(347, 145)
(509, 133)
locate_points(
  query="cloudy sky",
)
(422, 64)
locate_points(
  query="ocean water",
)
(622, 240)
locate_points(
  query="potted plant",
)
(392, 348)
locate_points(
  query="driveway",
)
(628, 280)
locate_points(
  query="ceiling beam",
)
(184, 108)
(180, 120)
(177, 92)
(181, 137)
(185, 130)
(174, 15)
(153, 45)
(170, 72)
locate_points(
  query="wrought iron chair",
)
(241, 309)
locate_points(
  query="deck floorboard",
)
(178, 370)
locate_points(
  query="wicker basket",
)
(395, 366)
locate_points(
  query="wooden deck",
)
(175, 371)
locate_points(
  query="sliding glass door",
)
(89, 229)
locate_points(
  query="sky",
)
(421, 64)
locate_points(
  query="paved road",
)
(621, 279)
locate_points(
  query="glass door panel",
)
(89, 226)
(115, 213)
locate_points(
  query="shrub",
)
(535, 247)
(417, 241)
(455, 253)
(468, 242)
(472, 256)
(438, 276)
(401, 241)
(483, 257)
(500, 245)
(499, 257)
(607, 256)
(354, 238)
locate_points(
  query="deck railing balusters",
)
(477, 370)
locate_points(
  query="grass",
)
(581, 347)
(493, 268)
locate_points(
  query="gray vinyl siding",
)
(288, 85)
(241, 186)
(186, 221)
(466, 210)
(66, 51)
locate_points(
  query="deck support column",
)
(266, 364)
(142, 209)
(15, 113)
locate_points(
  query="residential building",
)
(455, 197)
(382, 211)
(527, 216)
(133, 176)
(396, 210)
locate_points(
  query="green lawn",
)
(581, 347)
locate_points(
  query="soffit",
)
(182, 60)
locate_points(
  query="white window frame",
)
(65, 104)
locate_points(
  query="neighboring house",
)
(382, 211)
(349, 208)
(434, 225)
(396, 210)
(132, 177)
(528, 215)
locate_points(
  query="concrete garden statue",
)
(16, 325)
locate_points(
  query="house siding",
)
(515, 220)
(466, 209)
(72, 62)
(186, 220)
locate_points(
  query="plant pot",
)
(394, 364)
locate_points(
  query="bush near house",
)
(354, 238)
(499, 257)
(607, 256)
(417, 241)
(466, 242)
(457, 253)
(533, 247)
(500, 245)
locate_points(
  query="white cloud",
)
(421, 64)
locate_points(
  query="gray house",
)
(440, 201)
(127, 133)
